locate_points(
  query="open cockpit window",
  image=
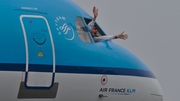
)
(100, 32)
(82, 31)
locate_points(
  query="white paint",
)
(85, 87)
(39, 79)
(29, 8)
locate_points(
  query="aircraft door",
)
(40, 55)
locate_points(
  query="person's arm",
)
(91, 24)
(95, 12)
(121, 36)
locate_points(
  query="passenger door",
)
(40, 54)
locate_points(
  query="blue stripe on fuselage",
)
(77, 69)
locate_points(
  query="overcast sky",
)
(153, 27)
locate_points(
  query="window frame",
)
(101, 32)
(86, 28)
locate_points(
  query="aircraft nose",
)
(156, 97)
(155, 91)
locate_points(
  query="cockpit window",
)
(100, 32)
(82, 31)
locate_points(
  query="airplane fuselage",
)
(43, 57)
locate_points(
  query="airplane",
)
(48, 54)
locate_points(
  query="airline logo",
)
(119, 91)
(64, 28)
(112, 90)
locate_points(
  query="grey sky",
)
(153, 27)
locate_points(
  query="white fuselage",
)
(86, 87)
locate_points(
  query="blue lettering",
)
(131, 90)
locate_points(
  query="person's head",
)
(94, 30)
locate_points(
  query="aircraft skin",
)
(43, 58)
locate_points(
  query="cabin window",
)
(100, 32)
(82, 31)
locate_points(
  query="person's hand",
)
(95, 11)
(123, 36)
